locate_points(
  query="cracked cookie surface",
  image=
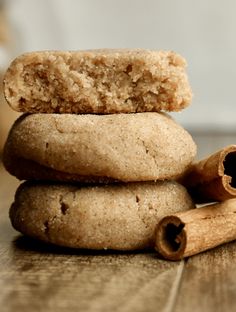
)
(120, 216)
(98, 148)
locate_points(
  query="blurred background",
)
(202, 31)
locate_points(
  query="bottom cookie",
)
(121, 217)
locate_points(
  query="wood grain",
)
(52, 279)
(209, 282)
(39, 277)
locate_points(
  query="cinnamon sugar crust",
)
(124, 147)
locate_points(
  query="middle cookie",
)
(98, 148)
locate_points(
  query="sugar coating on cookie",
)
(122, 216)
(94, 148)
(97, 81)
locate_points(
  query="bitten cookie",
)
(121, 217)
(98, 148)
(97, 81)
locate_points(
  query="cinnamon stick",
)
(213, 178)
(191, 232)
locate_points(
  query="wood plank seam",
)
(175, 288)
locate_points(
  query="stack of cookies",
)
(100, 156)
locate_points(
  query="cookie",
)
(7, 117)
(121, 216)
(97, 81)
(95, 148)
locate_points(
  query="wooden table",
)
(38, 277)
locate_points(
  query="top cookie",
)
(97, 81)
